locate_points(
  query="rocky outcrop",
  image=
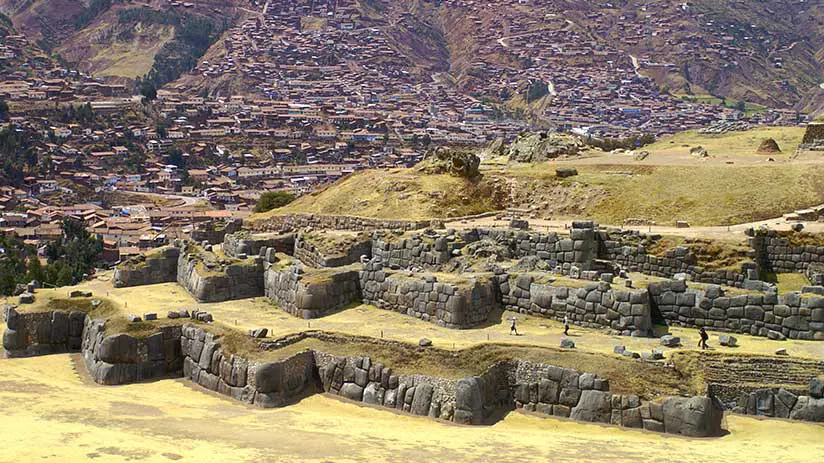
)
(157, 266)
(115, 359)
(451, 161)
(543, 146)
(41, 333)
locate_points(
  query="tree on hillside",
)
(273, 200)
(4, 109)
(537, 89)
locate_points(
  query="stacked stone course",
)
(160, 266)
(309, 298)
(596, 305)
(777, 317)
(422, 296)
(123, 359)
(238, 280)
(40, 333)
(315, 257)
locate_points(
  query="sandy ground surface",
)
(49, 412)
(370, 321)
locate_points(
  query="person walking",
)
(513, 328)
(566, 325)
(704, 337)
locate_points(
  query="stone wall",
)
(222, 282)
(432, 249)
(41, 333)
(214, 231)
(775, 254)
(312, 294)
(460, 305)
(123, 359)
(758, 314)
(579, 249)
(814, 132)
(815, 274)
(267, 385)
(596, 305)
(429, 250)
(614, 246)
(361, 380)
(567, 393)
(347, 251)
(251, 244)
(196, 354)
(286, 222)
(158, 266)
(780, 403)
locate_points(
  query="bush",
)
(273, 200)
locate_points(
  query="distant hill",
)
(764, 52)
(115, 39)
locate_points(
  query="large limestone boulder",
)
(543, 146)
(593, 406)
(469, 401)
(808, 409)
(694, 416)
(118, 348)
(455, 162)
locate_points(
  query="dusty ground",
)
(48, 412)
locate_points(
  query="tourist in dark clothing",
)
(704, 336)
(566, 325)
(513, 329)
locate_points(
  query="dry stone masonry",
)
(459, 305)
(759, 314)
(41, 333)
(781, 403)
(157, 266)
(123, 359)
(311, 294)
(595, 305)
(209, 279)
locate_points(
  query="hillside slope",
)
(114, 38)
(734, 185)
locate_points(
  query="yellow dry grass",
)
(701, 195)
(732, 144)
(396, 194)
(51, 413)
